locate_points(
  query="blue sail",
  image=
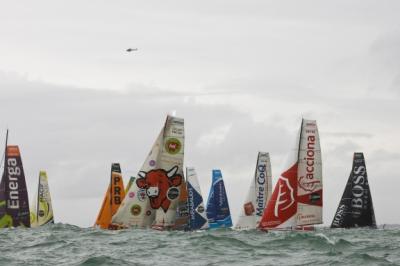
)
(218, 212)
(197, 215)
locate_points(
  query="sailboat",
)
(355, 208)
(153, 198)
(14, 203)
(296, 203)
(259, 193)
(197, 214)
(112, 200)
(218, 213)
(42, 209)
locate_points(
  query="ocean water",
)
(62, 244)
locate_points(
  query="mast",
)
(37, 201)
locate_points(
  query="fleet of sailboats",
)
(162, 197)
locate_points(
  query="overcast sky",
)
(241, 73)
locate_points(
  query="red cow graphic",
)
(157, 183)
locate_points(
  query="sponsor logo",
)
(200, 209)
(337, 220)
(360, 196)
(117, 189)
(141, 194)
(261, 179)
(158, 183)
(173, 145)
(13, 173)
(248, 208)
(173, 193)
(285, 197)
(307, 182)
(136, 210)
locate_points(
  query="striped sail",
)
(197, 214)
(42, 209)
(259, 192)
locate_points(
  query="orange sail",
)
(113, 198)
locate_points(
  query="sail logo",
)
(285, 197)
(173, 146)
(357, 190)
(117, 190)
(14, 172)
(158, 184)
(337, 220)
(261, 179)
(307, 182)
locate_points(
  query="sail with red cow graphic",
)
(297, 197)
(171, 161)
(135, 209)
(152, 199)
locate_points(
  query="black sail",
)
(355, 208)
(14, 204)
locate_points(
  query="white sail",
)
(309, 189)
(197, 214)
(258, 195)
(171, 160)
(135, 210)
(42, 209)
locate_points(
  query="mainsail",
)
(355, 208)
(197, 214)
(171, 174)
(42, 209)
(113, 198)
(153, 197)
(259, 193)
(135, 210)
(14, 204)
(218, 212)
(297, 197)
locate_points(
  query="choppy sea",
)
(63, 244)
